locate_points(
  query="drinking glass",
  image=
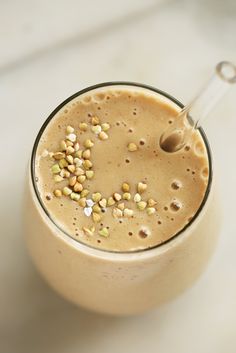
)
(120, 283)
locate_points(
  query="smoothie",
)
(105, 181)
(112, 222)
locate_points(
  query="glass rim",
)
(109, 84)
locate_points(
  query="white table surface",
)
(49, 50)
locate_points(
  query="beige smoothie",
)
(113, 222)
(104, 179)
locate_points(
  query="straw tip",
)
(226, 71)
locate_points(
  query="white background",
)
(51, 49)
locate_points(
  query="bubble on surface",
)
(87, 99)
(48, 197)
(199, 149)
(99, 97)
(175, 205)
(144, 233)
(205, 172)
(176, 185)
(142, 141)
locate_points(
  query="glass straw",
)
(193, 114)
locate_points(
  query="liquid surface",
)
(175, 182)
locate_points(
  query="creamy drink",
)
(99, 168)
(115, 223)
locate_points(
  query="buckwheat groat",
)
(104, 179)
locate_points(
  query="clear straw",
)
(193, 114)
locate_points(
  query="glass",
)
(120, 283)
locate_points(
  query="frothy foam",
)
(176, 181)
